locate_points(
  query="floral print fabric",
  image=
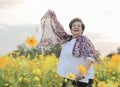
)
(52, 31)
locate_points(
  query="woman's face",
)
(76, 29)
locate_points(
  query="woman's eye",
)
(74, 25)
(78, 25)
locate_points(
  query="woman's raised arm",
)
(52, 31)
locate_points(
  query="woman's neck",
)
(76, 36)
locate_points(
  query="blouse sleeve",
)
(52, 31)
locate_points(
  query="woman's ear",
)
(71, 31)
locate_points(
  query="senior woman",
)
(77, 49)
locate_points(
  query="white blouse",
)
(68, 63)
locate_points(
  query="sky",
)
(19, 19)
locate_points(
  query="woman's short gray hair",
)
(74, 20)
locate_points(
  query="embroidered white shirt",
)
(68, 63)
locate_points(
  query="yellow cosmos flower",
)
(71, 76)
(3, 62)
(112, 65)
(22, 56)
(28, 56)
(56, 76)
(115, 58)
(6, 84)
(41, 57)
(65, 80)
(20, 79)
(37, 72)
(31, 41)
(36, 79)
(82, 69)
(101, 84)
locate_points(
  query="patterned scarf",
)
(53, 32)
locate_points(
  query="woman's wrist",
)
(82, 76)
(79, 77)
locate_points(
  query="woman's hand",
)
(79, 77)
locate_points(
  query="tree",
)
(98, 53)
(118, 50)
(111, 54)
(24, 50)
(48, 50)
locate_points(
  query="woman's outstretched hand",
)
(79, 77)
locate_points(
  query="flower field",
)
(41, 72)
(23, 72)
